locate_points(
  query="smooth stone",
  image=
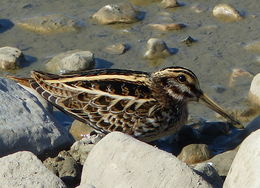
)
(209, 173)
(53, 23)
(116, 49)
(226, 13)
(23, 169)
(245, 168)
(119, 159)
(80, 150)
(254, 91)
(10, 58)
(167, 26)
(25, 123)
(156, 48)
(170, 3)
(79, 129)
(253, 46)
(71, 61)
(117, 13)
(223, 161)
(65, 167)
(195, 153)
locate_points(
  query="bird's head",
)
(181, 85)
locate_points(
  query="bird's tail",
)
(22, 81)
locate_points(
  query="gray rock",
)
(117, 13)
(10, 58)
(70, 61)
(209, 173)
(80, 150)
(25, 124)
(156, 48)
(65, 167)
(223, 161)
(119, 160)
(244, 171)
(51, 23)
(23, 169)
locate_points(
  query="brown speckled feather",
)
(107, 100)
(146, 106)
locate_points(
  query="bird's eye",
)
(181, 78)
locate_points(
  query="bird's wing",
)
(107, 100)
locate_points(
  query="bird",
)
(144, 105)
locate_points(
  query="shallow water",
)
(219, 46)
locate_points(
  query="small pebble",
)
(170, 3)
(226, 13)
(253, 46)
(188, 41)
(10, 58)
(117, 13)
(156, 48)
(195, 153)
(167, 26)
(254, 91)
(116, 49)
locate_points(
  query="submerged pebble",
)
(226, 13)
(198, 8)
(236, 74)
(170, 3)
(254, 91)
(70, 61)
(253, 46)
(167, 26)
(116, 49)
(156, 48)
(51, 23)
(10, 58)
(117, 13)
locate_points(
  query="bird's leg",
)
(93, 137)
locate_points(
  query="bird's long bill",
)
(211, 104)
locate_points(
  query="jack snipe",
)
(146, 106)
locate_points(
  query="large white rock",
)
(25, 124)
(23, 169)
(245, 169)
(254, 92)
(119, 160)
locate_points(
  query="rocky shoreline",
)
(118, 160)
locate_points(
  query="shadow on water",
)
(102, 63)
(5, 25)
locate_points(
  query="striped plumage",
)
(146, 106)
